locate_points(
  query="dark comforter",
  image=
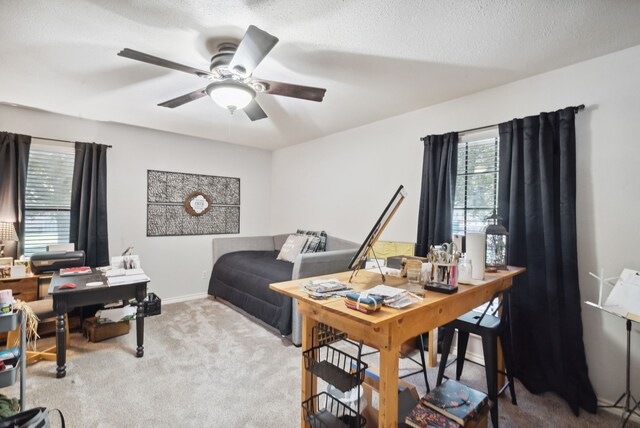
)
(243, 277)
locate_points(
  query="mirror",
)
(197, 203)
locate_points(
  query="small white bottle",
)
(6, 302)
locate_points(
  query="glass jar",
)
(413, 275)
(464, 271)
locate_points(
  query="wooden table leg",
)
(388, 411)
(433, 348)
(308, 380)
(141, 293)
(61, 346)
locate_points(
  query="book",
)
(325, 286)
(425, 417)
(82, 270)
(456, 401)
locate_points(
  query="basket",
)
(328, 335)
(335, 366)
(324, 411)
(152, 305)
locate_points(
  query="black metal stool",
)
(422, 363)
(490, 327)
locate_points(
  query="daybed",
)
(243, 268)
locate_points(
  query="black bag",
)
(38, 417)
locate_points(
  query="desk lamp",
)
(7, 233)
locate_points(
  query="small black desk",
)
(66, 299)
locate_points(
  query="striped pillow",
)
(312, 244)
(322, 246)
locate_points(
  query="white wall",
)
(176, 265)
(342, 182)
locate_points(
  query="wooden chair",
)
(490, 327)
(44, 311)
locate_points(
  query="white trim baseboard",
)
(471, 356)
(474, 343)
(178, 299)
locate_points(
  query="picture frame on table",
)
(5, 267)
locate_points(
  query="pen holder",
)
(445, 273)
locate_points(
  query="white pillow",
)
(292, 247)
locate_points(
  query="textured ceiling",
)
(376, 58)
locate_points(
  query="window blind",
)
(476, 184)
(48, 197)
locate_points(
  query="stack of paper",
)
(121, 272)
(624, 299)
(393, 297)
(82, 270)
(384, 291)
(128, 279)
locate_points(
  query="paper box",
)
(98, 332)
(396, 261)
(18, 271)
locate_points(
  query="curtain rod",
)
(61, 141)
(576, 109)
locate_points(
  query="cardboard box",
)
(407, 397)
(98, 332)
(408, 347)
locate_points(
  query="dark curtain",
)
(537, 194)
(14, 160)
(438, 188)
(89, 203)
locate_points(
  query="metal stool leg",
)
(424, 362)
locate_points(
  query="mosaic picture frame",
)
(166, 213)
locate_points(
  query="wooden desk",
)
(388, 328)
(24, 288)
(65, 300)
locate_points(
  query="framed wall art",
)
(192, 204)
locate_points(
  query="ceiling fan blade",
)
(177, 102)
(255, 45)
(254, 111)
(293, 91)
(150, 59)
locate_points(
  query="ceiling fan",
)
(231, 73)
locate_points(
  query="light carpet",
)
(206, 365)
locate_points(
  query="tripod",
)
(626, 396)
(627, 409)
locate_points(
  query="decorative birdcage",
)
(497, 244)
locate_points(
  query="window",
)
(48, 196)
(476, 181)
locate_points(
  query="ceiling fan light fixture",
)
(231, 95)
